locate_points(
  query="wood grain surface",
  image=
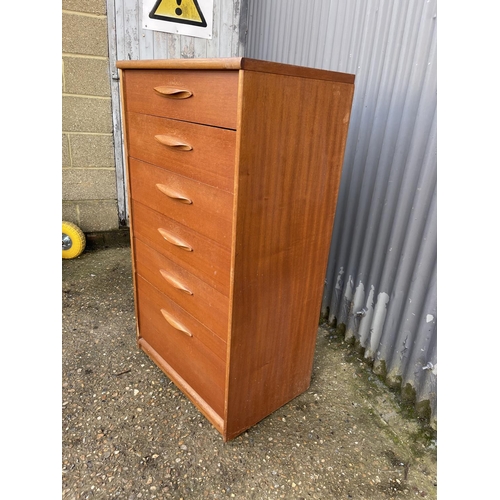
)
(286, 197)
(213, 99)
(196, 362)
(234, 169)
(208, 261)
(211, 161)
(205, 303)
(209, 213)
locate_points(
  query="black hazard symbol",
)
(179, 11)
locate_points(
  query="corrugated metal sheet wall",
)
(381, 279)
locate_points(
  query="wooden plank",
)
(207, 259)
(132, 46)
(190, 355)
(199, 299)
(121, 186)
(211, 160)
(123, 93)
(193, 396)
(207, 97)
(204, 63)
(292, 70)
(240, 63)
(203, 208)
(146, 37)
(286, 196)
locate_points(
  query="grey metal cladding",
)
(381, 277)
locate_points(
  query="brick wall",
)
(88, 176)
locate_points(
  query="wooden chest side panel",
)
(286, 197)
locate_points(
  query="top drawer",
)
(208, 97)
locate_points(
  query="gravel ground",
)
(129, 433)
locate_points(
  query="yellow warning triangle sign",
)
(178, 11)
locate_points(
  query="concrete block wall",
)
(88, 177)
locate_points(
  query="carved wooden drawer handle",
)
(171, 280)
(173, 93)
(171, 193)
(171, 238)
(173, 142)
(176, 324)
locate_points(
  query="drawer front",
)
(163, 325)
(206, 154)
(206, 304)
(203, 208)
(208, 97)
(194, 252)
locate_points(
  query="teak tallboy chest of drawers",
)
(233, 170)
